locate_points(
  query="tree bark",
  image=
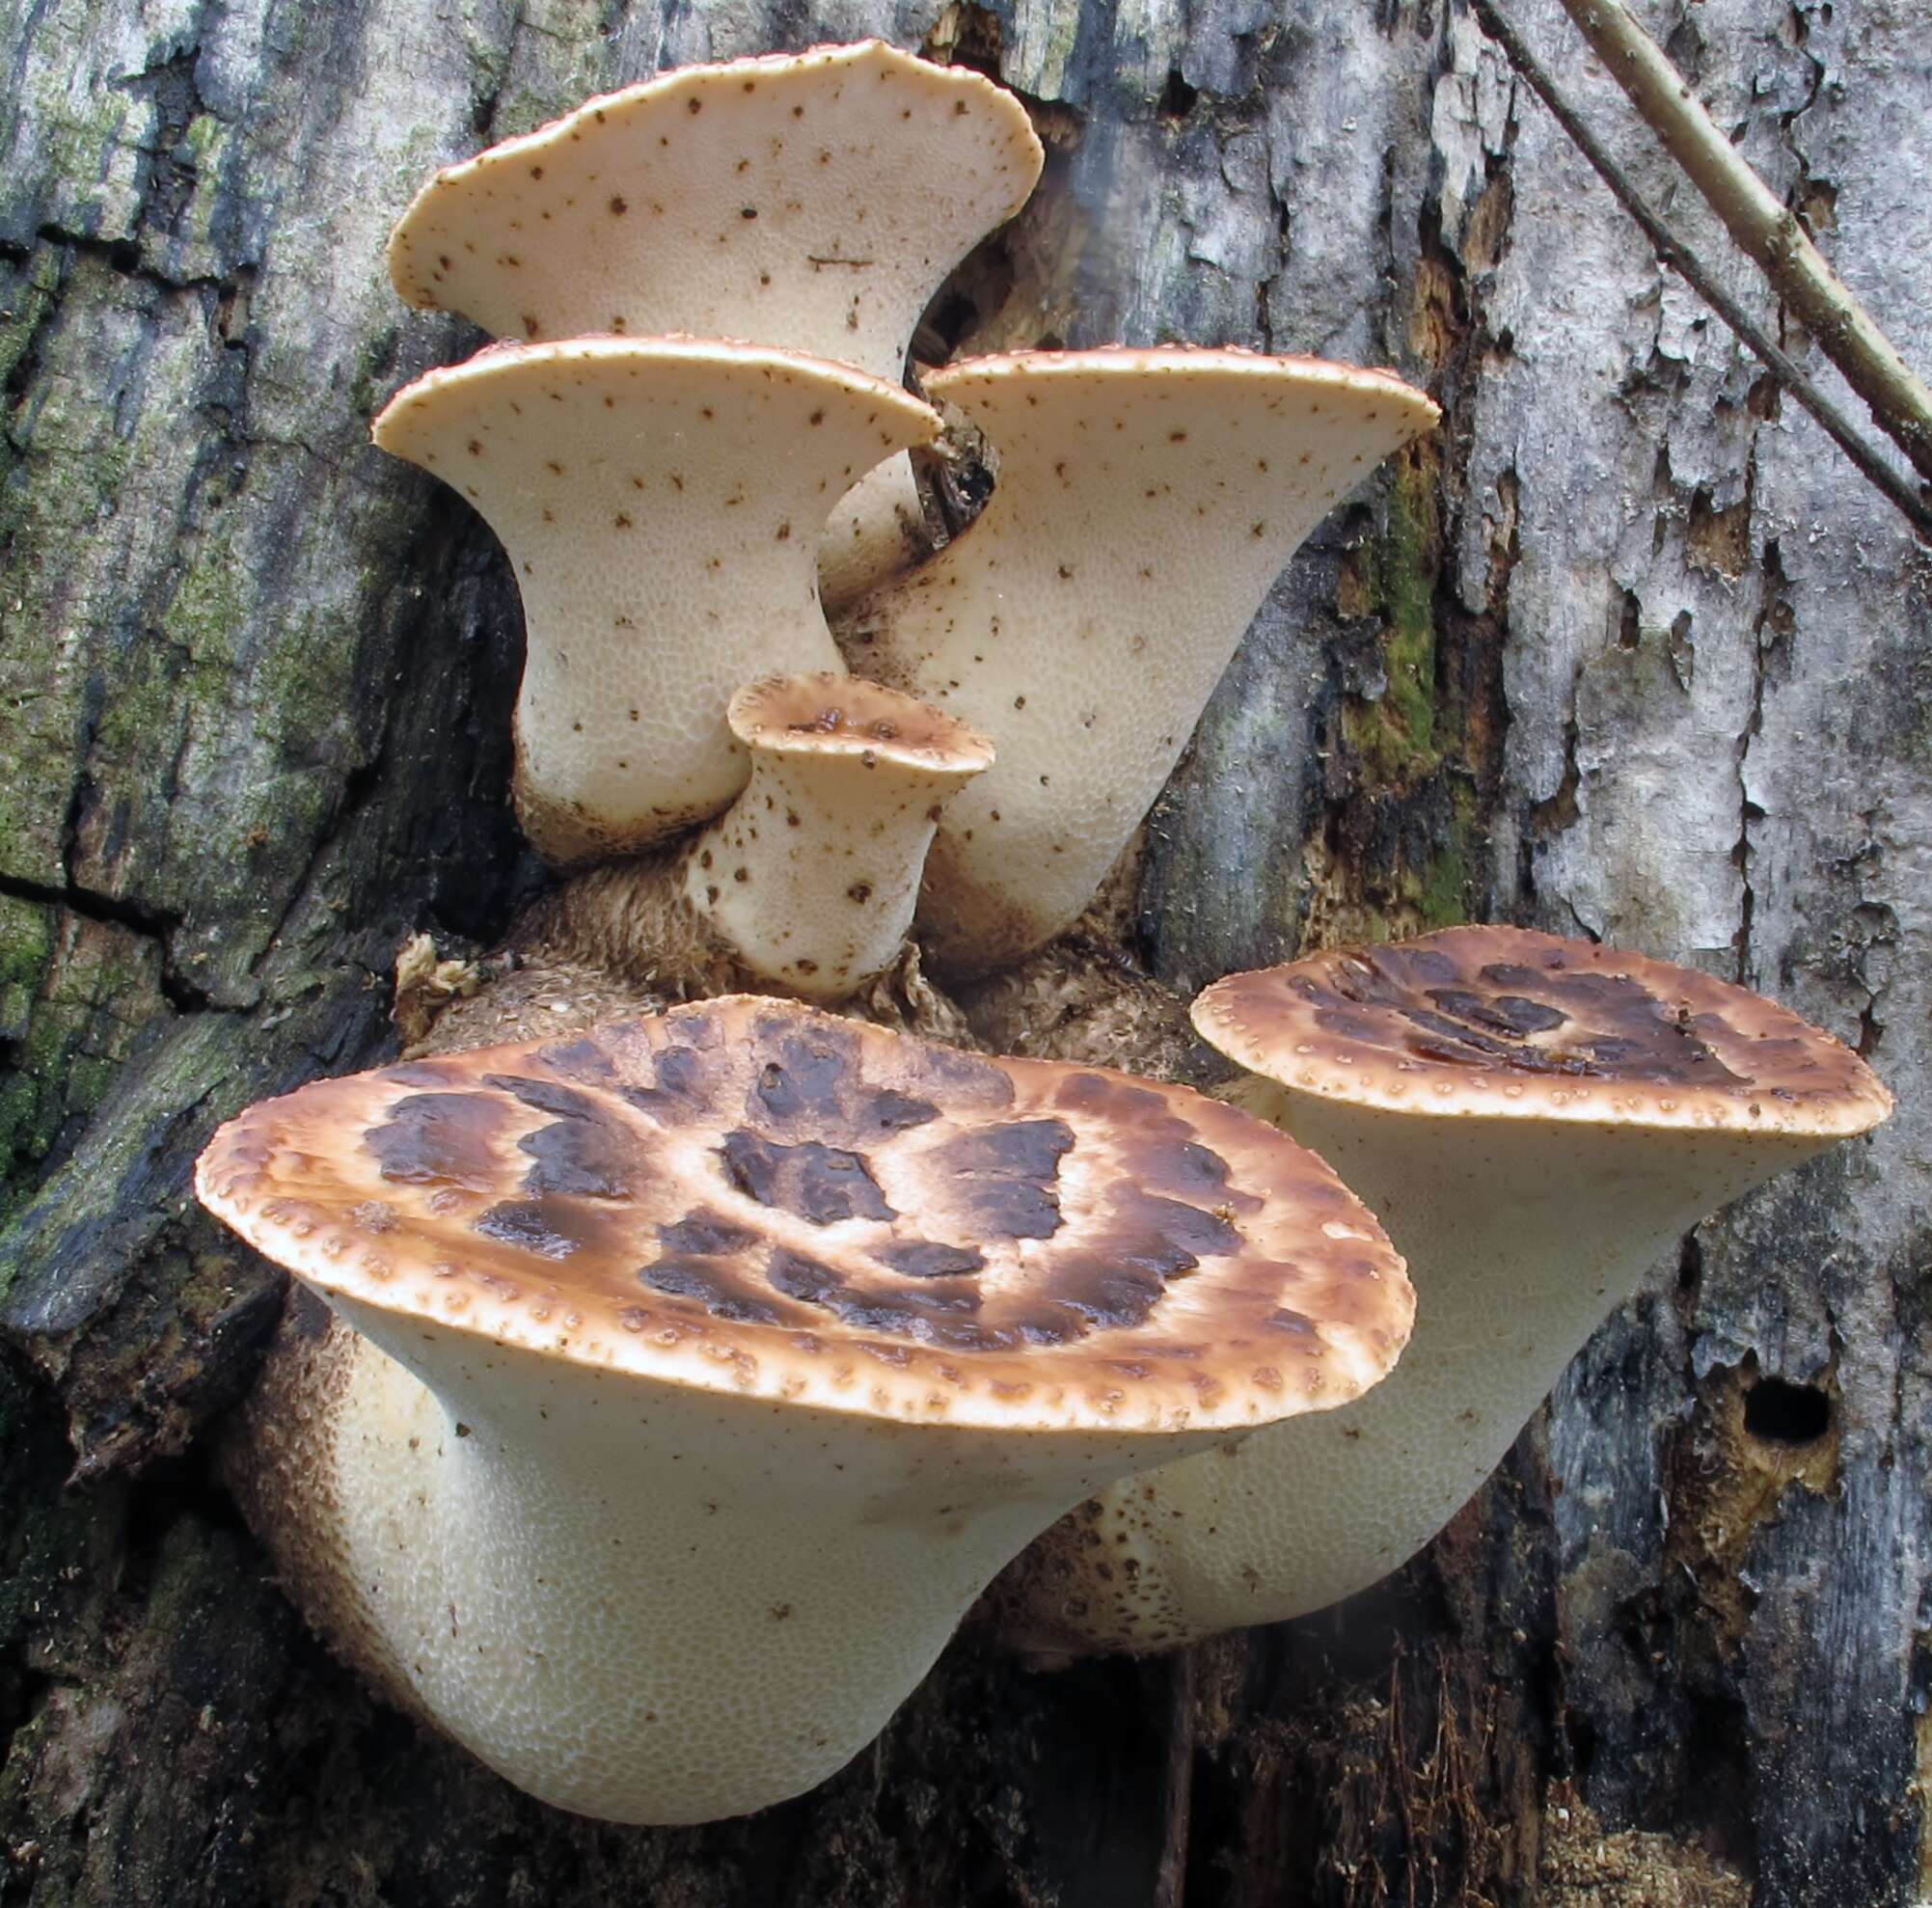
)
(1628, 649)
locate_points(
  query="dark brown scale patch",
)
(718, 1296)
(706, 1234)
(679, 1096)
(542, 1096)
(532, 1225)
(819, 1182)
(440, 1139)
(810, 1081)
(1004, 1176)
(928, 1259)
(581, 1060)
(892, 1111)
(589, 1158)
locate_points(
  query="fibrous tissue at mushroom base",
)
(1146, 501)
(1536, 1121)
(808, 882)
(812, 201)
(691, 1377)
(663, 550)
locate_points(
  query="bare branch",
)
(1762, 228)
(1681, 259)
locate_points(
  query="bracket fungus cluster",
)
(705, 1368)
(682, 1381)
(1536, 1121)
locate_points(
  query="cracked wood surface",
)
(1627, 648)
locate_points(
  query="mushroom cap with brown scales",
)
(1536, 1121)
(710, 1365)
(660, 500)
(812, 200)
(1145, 504)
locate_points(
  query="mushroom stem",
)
(811, 874)
(558, 1554)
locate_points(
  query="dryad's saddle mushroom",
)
(659, 502)
(706, 1368)
(813, 200)
(1146, 500)
(1536, 1121)
(808, 882)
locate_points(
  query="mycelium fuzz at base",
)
(704, 1369)
(1536, 1121)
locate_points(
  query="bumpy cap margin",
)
(1506, 1023)
(746, 1196)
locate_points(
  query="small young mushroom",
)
(704, 1368)
(1536, 1121)
(811, 874)
(1146, 501)
(814, 200)
(660, 501)
(808, 882)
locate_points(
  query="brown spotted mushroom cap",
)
(809, 200)
(751, 1197)
(1502, 1022)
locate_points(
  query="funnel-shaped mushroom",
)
(808, 882)
(1536, 1121)
(814, 200)
(712, 1364)
(811, 874)
(659, 502)
(1146, 500)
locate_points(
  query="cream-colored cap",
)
(748, 1196)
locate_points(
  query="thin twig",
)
(1692, 270)
(1766, 231)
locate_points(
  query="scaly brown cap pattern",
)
(1504, 1022)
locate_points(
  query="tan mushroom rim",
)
(452, 188)
(824, 714)
(746, 1196)
(1157, 362)
(1504, 1022)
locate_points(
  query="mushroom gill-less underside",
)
(1536, 1121)
(1146, 500)
(660, 501)
(669, 1327)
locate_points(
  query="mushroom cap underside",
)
(1504, 1022)
(745, 1195)
(815, 198)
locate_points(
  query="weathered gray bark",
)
(1630, 649)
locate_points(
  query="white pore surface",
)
(811, 874)
(650, 1604)
(661, 504)
(1146, 500)
(1520, 1237)
(875, 531)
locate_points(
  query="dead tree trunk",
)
(1628, 649)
